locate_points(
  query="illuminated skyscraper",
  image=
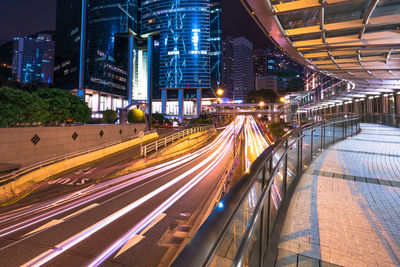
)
(68, 44)
(227, 64)
(93, 41)
(129, 48)
(183, 32)
(243, 73)
(33, 59)
(215, 46)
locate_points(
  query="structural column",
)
(180, 104)
(199, 96)
(149, 74)
(130, 73)
(396, 108)
(164, 101)
(83, 45)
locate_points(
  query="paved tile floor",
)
(346, 207)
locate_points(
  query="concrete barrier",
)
(30, 180)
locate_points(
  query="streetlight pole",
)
(220, 92)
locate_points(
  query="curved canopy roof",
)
(354, 40)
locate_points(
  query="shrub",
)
(136, 116)
(109, 116)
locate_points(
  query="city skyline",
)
(236, 21)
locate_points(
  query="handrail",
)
(5, 179)
(154, 146)
(201, 250)
(238, 260)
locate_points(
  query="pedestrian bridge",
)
(326, 193)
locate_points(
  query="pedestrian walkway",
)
(346, 208)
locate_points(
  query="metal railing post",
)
(156, 145)
(312, 142)
(345, 130)
(270, 166)
(145, 151)
(333, 133)
(285, 170)
(267, 221)
(351, 127)
(261, 248)
(322, 144)
(299, 153)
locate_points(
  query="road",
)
(121, 221)
(255, 142)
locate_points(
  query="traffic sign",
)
(141, 134)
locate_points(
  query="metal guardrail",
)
(154, 146)
(247, 214)
(8, 178)
(382, 118)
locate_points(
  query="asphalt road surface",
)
(120, 221)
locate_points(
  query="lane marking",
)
(137, 238)
(43, 227)
(80, 211)
(70, 242)
(220, 143)
(58, 221)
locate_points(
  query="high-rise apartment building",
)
(243, 73)
(33, 59)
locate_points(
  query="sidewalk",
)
(346, 207)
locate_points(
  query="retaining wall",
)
(30, 145)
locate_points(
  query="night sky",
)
(24, 17)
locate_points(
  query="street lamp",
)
(220, 92)
(262, 104)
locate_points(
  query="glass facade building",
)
(68, 44)
(107, 53)
(135, 48)
(184, 40)
(215, 47)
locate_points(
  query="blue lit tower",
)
(110, 25)
(215, 46)
(183, 29)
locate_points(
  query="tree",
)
(17, 106)
(136, 116)
(109, 116)
(64, 106)
(158, 118)
(265, 95)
